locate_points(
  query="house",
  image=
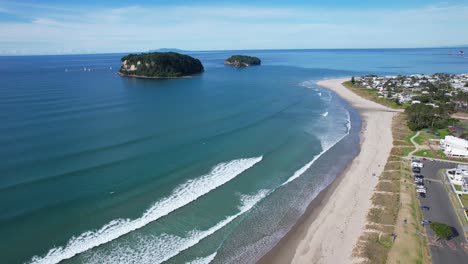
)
(433, 105)
(460, 176)
(454, 147)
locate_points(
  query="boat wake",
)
(180, 196)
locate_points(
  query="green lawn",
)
(457, 187)
(423, 136)
(424, 153)
(408, 138)
(405, 151)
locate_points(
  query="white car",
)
(415, 164)
(423, 190)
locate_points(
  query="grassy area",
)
(372, 95)
(457, 187)
(408, 138)
(424, 137)
(394, 201)
(425, 153)
(405, 151)
(410, 245)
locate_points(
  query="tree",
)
(442, 230)
(354, 81)
(466, 84)
(422, 116)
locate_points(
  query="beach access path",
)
(330, 234)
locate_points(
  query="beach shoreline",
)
(333, 222)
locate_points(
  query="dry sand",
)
(328, 232)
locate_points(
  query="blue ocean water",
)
(97, 168)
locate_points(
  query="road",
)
(441, 210)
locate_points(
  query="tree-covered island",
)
(240, 61)
(159, 65)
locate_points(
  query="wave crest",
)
(181, 196)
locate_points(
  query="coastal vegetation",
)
(371, 95)
(393, 233)
(240, 61)
(160, 65)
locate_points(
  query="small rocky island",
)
(159, 65)
(240, 61)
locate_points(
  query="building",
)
(454, 147)
(460, 177)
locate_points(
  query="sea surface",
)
(97, 168)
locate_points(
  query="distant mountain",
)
(167, 50)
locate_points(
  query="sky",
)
(71, 27)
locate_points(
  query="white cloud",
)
(137, 28)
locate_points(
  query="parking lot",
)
(440, 209)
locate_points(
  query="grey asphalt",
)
(441, 210)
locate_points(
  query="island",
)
(240, 61)
(159, 65)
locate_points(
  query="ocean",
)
(97, 168)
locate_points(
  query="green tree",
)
(442, 230)
(353, 81)
(422, 116)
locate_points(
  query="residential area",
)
(432, 223)
(409, 89)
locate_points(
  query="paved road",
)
(441, 210)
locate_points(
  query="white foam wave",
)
(326, 145)
(325, 114)
(151, 249)
(204, 260)
(181, 196)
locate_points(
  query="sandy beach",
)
(331, 226)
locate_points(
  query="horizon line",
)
(221, 50)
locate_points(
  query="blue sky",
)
(63, 27)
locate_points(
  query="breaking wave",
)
(157, 249)
(180, 196)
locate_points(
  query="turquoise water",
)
(102, 169)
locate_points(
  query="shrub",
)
(442, 230)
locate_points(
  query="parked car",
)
(421, 190)
(423, 207)
(416, 164)
(425, 222)
(417, 170)
(422, 195)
